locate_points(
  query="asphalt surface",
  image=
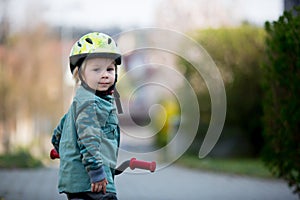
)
(168, 183)
(172, 182)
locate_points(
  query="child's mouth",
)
(103, 83)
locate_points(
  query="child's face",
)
(99, 73)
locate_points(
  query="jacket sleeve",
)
(57, 133)
(89, 140)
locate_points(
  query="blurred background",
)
(36, 37)
(36, 88)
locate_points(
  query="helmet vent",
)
(109, 41)
(78, 43)
(89, 40)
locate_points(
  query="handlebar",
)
(133, 163)
(54, 154)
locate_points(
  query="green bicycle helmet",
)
(94, 44)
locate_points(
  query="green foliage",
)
(165, 134)
(281, 102)
(19, 159)
(238, 54)
(249, 167)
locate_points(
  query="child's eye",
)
(111, 69)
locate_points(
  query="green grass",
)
(248, 167)
(19, 159)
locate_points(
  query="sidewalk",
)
(30, 184)
(179, 183)
(170, 183)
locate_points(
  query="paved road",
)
(33, 184)
(170, 183)
(178, 183)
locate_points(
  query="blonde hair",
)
(76, 72)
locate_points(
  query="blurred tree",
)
(289, 4)
(168, 130)
(237, 53)
(31, 80)
(4, 83)
(4, 24)
(281, 102)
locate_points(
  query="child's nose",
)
(104, 74)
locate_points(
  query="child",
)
(87, 137)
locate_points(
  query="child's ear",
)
(76, 75)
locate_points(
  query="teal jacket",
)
(87, 139)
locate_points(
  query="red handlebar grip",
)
(54, 154)
(134, 163)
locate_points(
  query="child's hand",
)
(99, 186)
